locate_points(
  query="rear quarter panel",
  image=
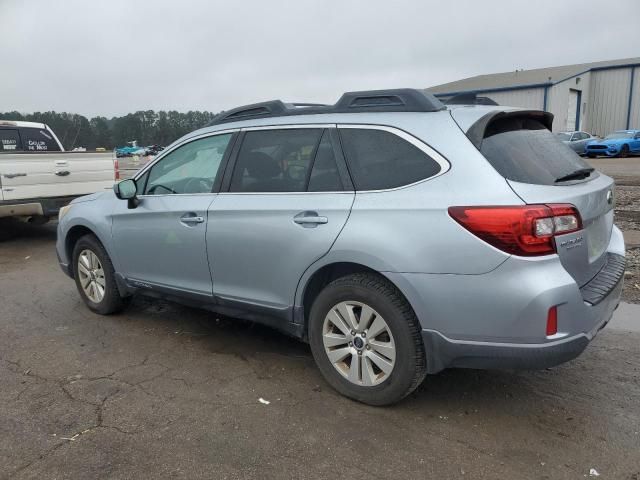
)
(409, 229)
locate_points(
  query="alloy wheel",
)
(91, 276)
(359, 343)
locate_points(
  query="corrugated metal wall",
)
(526, 98)
(634, 118)
(609, 96)
(558, 101)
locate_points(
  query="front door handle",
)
(62, 173)
(310, 219)
(191, 220)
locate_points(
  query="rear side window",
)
(38, 140)
(10, 140)
(325, 176)
(380, 160)
(276, 160)
(523, 150)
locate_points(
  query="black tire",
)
(410, 362)
(112, 302)
(591, 155)
(624, 151)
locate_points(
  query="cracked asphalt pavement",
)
(166, 391)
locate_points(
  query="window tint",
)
(9, 140)
(38, 140)
(525, 151)
(275, 160)
(325, 176)
(192, 168)
(379, 159)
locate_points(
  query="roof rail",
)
(469, 99)
(394, 100)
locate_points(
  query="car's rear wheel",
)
(591, 155)
(366, 339)
(95, 277)
(624, 151)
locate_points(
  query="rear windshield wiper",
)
(577, 175)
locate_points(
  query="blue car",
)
(620, 143)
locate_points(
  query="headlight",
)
(63, 211)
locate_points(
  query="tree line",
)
(147, 127)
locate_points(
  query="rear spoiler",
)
(497, 121)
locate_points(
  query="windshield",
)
(618, 135)
(563, 136)
(525, 151)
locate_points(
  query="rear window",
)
(10, 140)
(523, 150)
(38, 140)
(379, 160)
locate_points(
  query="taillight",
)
(116, 169)
(525, 230)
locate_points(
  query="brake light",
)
(526, 230)
(116, 169)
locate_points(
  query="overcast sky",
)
(113, 57)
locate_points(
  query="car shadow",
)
(13, 229)
(465, 390)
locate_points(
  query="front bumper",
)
(610, 151)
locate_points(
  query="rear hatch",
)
(542, 170)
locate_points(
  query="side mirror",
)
(127, 190)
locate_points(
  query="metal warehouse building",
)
(594, 97)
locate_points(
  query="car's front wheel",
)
(366, 339)
(624, 151)
(95, 277)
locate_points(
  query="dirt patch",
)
(627, 218)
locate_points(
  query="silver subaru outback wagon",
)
(397, 235)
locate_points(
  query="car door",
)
(288, 197)
(635, 147)
(581, 142)
(160, 244)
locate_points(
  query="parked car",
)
(397, 235)
(37, 176)
(129, 151)
(153, 150)
(577, 141)
(620, 144)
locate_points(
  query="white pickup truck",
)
(37, 176)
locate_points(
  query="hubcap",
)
(359, 343)
(91, 276)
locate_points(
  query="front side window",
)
(380, 160)
(190, 169)
(38, 140)
(10, 141)
(275, 160)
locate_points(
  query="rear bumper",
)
(48, 207)
(498, 319)
(443, 352)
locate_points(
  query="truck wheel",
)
(624, 151)
(95, 277)
(367, 340)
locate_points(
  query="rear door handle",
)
(310, 219)
(191, 220)
(62, 173)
